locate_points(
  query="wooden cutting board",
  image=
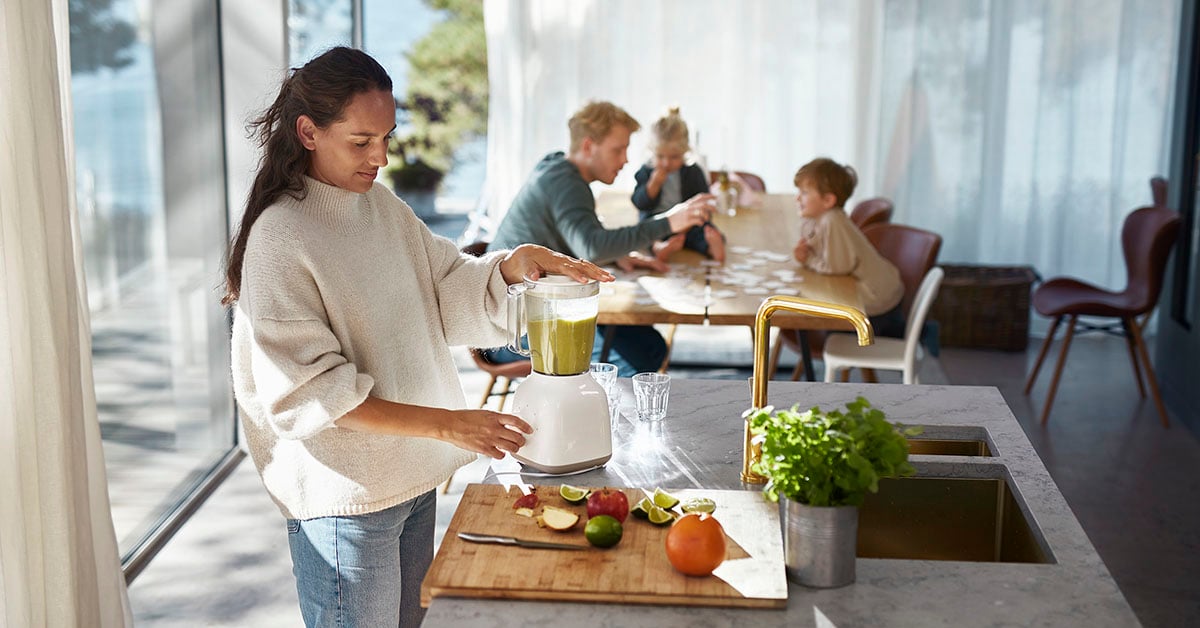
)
(635, 571)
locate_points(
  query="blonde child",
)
(831, 244)
(668, 180)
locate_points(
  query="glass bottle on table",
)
(726, 194)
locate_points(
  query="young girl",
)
(667, 181)
(345, 308)
(831, 244)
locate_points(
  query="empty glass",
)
(650, 391)
(605, 374)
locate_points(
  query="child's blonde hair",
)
(596, 120)
(670, 129)
(828, 177)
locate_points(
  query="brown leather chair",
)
(1146, 240)
(753, 181)
(504, 373)
(914, 252)
(872, 211)
(1158, 191)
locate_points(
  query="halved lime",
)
(642, 509)
(663, 499)
(573, 494)
(698, 504)
(660, 517)
(603, 531)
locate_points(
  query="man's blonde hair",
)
(596, 120)
(828, 177)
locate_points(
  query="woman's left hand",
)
(531, 260)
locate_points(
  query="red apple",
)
(527, 501)
(608, 501)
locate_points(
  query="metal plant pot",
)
(818, 543)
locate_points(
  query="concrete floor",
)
(1134, 486)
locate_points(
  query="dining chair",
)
(913, 251)
(872, 211)
(505, 373)
(1158, 191)
(1147, 236)
(843, 353)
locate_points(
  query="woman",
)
(346, 306)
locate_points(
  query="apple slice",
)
(558, 518)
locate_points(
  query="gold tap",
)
(751, 452)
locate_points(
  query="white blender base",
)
(569, 415)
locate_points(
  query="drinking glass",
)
(605, 374)
(650, 391)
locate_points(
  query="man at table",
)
(556, 209)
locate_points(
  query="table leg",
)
(609, 332)
(806, 356)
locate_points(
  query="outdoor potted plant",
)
(820, 466)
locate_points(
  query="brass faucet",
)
(751, 452)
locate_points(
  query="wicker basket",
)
(984, 307)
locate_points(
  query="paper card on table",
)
(773, 284)
(724, 294)
(741, 266)
(756, 291)
(784, 274)
(740, 250)
(788, 291)
(709, 262)
(775, 257)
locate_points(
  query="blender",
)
(566, 407)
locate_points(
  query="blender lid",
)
(562, 287)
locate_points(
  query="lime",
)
(603, 531)
(699, 504)
(663, 499)
(573, 494)
(642, 508)
(660, 517)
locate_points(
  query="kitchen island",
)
(699, 445)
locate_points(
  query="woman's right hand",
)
(492, 434)
(692, 212)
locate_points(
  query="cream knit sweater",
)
(346, 295)
(837, 247)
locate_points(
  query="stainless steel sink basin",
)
(936, 518)
(948, 447)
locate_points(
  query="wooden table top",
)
(759, 243)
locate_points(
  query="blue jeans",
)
(635, 349)
(364, 570)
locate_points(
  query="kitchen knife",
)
(512, 540)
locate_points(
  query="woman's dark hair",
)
(320, 90)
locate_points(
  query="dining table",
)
(698, 291)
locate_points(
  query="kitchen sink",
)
(938, 518)
(948, 447)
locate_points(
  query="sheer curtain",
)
(1022, 131)
(58, 553)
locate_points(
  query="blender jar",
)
(559, 316)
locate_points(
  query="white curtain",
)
(1021, 131)
(58, 553)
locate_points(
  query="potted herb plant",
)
(820, 466)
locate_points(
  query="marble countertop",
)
(699, 445)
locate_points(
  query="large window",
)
(150, 187)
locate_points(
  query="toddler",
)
(831, 244)
(667, 180)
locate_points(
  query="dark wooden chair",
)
(914, 252)
(504, 373)
(1146, 240)
(1158, 191)
(752, 181)
(872, 211)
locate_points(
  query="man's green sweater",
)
(555, 209)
